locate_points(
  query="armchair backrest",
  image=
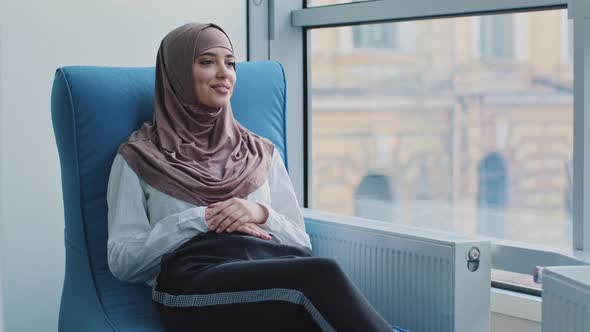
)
(93, 110)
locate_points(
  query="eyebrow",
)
(215, 54)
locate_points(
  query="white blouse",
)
(145, 223)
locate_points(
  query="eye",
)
(206, 62)
(232, 64)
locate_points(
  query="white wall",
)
(36, 37)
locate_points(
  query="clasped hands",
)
(237, 214)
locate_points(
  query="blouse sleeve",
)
(134, 246)
(285, 216)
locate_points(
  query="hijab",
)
(191, 151)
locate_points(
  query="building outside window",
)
(460, 143)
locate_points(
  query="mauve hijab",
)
(190, 151)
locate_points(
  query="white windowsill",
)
(517, 305)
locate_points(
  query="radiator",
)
(417, 280)
(566, 299)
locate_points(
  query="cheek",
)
(202, 92)
(233, 82)
(199, 90)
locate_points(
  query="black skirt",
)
(237, 282)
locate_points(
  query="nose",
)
(223, 71)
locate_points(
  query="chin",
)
(221, 103)
(215, 104)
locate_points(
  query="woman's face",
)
(214, 74)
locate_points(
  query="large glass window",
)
(441, 137)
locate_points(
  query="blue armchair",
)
(93, 110)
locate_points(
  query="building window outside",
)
(378, 36)
(397, 38)
(497, 36)
(492, 196)
(491, 173)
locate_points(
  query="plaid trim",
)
(252, 296)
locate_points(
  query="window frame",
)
(279, 30)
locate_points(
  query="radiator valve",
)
(473, 259)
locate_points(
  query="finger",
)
(239, 222)
(263, 233)
(248, 230)
(208, 217)
(230, 220)
(217, 207)
(260, 233)
(213, 210)
(223, 216)
(266, 236)
(219, 217)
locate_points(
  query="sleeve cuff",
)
(194, 219)
(270, 220)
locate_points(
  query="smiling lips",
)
(221, 88)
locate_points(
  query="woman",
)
(203, 210)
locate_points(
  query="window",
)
(374, 196)
(492, 196)
(384, 37)
(416, 137)
(497, 36)
(491, 184)
(375, 36)
(567, 38)
(439, 139)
